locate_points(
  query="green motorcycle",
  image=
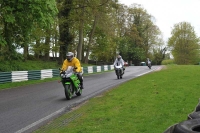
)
(70, 82)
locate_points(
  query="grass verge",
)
(147, 104)
(7, 66)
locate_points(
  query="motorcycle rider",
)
(148, 62)
(119, 61)
(73, 61)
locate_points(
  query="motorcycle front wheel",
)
(68, 91)
(118, 74)
(79, 92)
(149, 67)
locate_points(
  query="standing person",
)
(73, 61)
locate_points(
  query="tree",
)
(145, 26)
(135, 51)
(100, 10)
(159, 55)
(159, 51)
(141, 34)
(184, 44)
(20, 18)
(66, 37)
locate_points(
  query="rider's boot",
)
(81, 86)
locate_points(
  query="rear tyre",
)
(68, 91)
(188, 126)
(194, 115)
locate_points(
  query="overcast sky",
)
(170, 12)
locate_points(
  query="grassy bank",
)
(147, 104)
(7, 66)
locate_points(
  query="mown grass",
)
(147, 104)
(7, 66)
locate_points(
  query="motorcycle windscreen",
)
(120, 66)
(69, 69)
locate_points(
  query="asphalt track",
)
(25, 109)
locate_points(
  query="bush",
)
(167, 62)
(5, 66)
(16, 65)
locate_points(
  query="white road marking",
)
(149, 71)
(40, 121)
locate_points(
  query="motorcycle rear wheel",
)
(68, 91)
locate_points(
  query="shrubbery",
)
(17, 65)
(167, 62)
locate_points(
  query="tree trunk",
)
(83, 52)
(56, 45)
(10, 48)
(80, 44)
(65, 36)
(47, 46)
(81, 25)
(37, 51)
(25, 51)
(90, 38)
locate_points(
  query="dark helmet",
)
(119, 57)
(70, 56)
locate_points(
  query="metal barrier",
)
(18, 76)
(5, 77)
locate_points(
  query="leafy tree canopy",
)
(184, 43)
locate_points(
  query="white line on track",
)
(40, 121)
(149, 71)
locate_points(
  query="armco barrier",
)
(5, 77)
(18, 76)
